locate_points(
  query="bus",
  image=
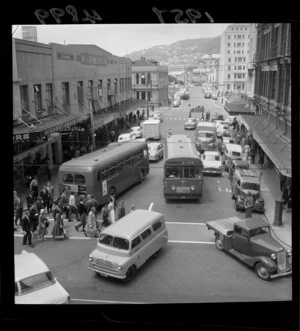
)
(183, 168)
(108, 171)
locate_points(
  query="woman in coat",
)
(111, 211)
(92, 226)
(249, 204)
(42, 225)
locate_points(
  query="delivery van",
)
(127, 244)
(151, 129)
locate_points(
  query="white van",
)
(232, 152)
(151, 129)
(126, 245)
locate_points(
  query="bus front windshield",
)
(182, 172)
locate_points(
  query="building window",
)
(24, 98)
(90, 89)
(49, 95)
(228, 44)
(228, 36)
(143, 79)
(228, 52)
(149, 78)
(116, 85)
(100, 88)
(38, 97)
(108, 84)
(229, 67)
(228, 76)
(80, 95)
(65, 93)
(229, 59)
(228, 86)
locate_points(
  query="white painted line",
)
(50, 237)
(191, 242)
(106, 301)
(180, 223)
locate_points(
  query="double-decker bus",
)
(108, 171)
(183, 169)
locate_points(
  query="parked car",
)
(223, 130)
(137, 131)
(126, 137)
(34, 282)
(251, 242)
(214, 96)
(230, 119)
(190, 124)
(156, 151)
(207, 95)
(157, 116)
(217, 117)
(244, 181)
(200, 109)
(176, 103)
(212, 163)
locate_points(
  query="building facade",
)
(57, 90)
(234, 58)
(271, 126)
(150, 82)
(249, 90)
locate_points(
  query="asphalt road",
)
(190, 268)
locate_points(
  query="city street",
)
(190, 268)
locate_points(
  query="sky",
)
(121, 39)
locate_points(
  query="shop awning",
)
(273, 142)
(49, 125)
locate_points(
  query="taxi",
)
(156, 151)
(126, 137)
(212, 163)
(137, 131)
(34, 282)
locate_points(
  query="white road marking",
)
(106, 301)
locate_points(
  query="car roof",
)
(251, 223)
(233, 147)
(132, 224)
(27, 265)
(154, 144)
(211, 152)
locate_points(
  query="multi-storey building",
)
(271, 126)
(57, 90)
(234, 58)
(150, 82)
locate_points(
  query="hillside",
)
(182, 48)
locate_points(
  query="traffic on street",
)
(189, 267)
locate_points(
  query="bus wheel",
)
(141, 176)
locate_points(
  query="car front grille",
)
(104, 263)
(281, 260)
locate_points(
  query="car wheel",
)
(219, 243)
(157, 253)
(262, 272)
(130, 274)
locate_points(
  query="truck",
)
(151, 129)
(250, 241)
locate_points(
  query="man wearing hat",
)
(121, 210)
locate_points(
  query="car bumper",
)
(282, 274)
(189, 127)
(105, 273)
(153, 158)
(212, 171)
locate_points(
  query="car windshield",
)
(115, 242)
(250, 186)
(212, 157)
(135, 129)
(36, 282)
(258, 231)
(205, 134)
(152, 148)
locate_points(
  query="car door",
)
(241, 240)
(161, 152)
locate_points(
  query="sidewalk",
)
(270, 187)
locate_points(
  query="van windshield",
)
(115, 242)
(204, 134)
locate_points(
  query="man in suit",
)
(27, 228)
(30, 200)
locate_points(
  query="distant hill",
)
(181, 49)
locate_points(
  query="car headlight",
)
(173, 187)
(90, 259)
(289, 252)
(119, 267)
(192, 187)
(273, 256)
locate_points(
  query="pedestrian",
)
(33, 218)
(42, 225)
(39, 204)
(47, 166)
(34, 187)
(56, 207)
(18, 208)
(77, 152)
(64, 203)
(170, 132)
(73, 208)
(50, 190)
(261, 158)
(94, 203)
(253, 154)
(249, 204)
(285, 195)
(132, 209)
(112, 135)
(58, 229)
(121, 210)
(82, 211)
(45, 197)
(82, 150)
(111, 210)
(92, 226)
(26, 227)
(138, 113)
(289, 204)
(105, 216)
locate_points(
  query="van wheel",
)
(219, 243)
(130, 274)
(157, 253)
(262, 272)
(141, 177)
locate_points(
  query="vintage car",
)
(137, 131)
(156, 151)
(232, 152)
(228, 140)
(196, 109)
(176, 103)
(190, 124)
(244, 181)
(216, 117)
(237, 164)
(250, 241)
(126, 137)
(157, 116)
(208, 94)
(212, 163)
(214, 96)
(222, 130)
(230, 119)
(34, 282)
